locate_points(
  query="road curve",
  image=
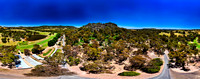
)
(165, 74)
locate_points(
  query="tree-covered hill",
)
(97, 26)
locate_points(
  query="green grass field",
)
(44, 43)
(196, 42)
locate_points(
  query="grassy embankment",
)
(44, 54)
(52, 52)
(49, 51)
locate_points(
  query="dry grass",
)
(163, 33)
(42, 33)
(177, 34)
(30, 42)
(8, 43)
(16, 30)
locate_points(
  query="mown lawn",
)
(44, 43)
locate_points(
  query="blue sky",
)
(182, 14)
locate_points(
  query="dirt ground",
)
(193, 75)
(119, 69)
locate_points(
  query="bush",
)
(130, 73)
(92, 68)
(129, 68)
(51, 43)
(36, 49)
(97, 67)
(3, 40)
(73, 61)
(156, 62)
(153, 66)
(151, 69)
(40, 70)
(137, 62)
(27, 52)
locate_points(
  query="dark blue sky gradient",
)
(126, 13)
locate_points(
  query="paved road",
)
(63, 39)
(73, 77)
(165, 74)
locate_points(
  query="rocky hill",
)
(97, 26)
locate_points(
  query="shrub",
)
(27, 52)
(137, 62)
(51, 43)
(77, 61)
(92, 68)
(130, 73)
(97, 67)
(40, 70)
(151, 69)
(153, 66)
(156, 62)
(36, 49)
(129, 68)
(3, 40)
(73, 61)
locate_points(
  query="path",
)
(63, 39)
(165, 73)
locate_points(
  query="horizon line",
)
(121, 26)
